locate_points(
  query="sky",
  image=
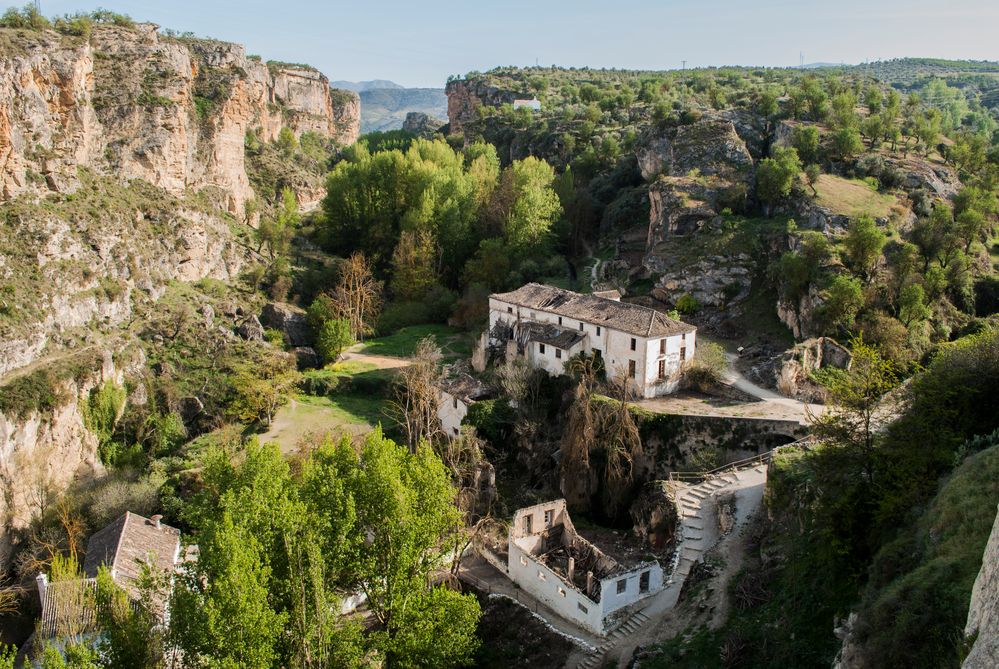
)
(422, 42)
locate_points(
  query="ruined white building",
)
(457, 391)
(550, 325)
(533, 104)
(550, 561)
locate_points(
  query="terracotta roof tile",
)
(631, 318)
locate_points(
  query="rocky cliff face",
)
(983, 614)
(130, 103)
(465, 96)
(120, 158)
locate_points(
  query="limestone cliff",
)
(123, 167)
(465, 96)
(983, 614)
(131, 103)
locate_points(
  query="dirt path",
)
(45, 362)
(379, 361)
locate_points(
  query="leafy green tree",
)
(856, 395)
(131, 634)
(912, 306)
(405, 507)
(864, 242)
(844, 298)
(535, 208)
(775, 176)
(414, 271)
(805, 140)
(333, 337)
(846, 142)
(287, 142)
(812, 174)
(276, 232)
(221, 614)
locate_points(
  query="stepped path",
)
(699, 532)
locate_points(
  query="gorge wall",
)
(122, 169)
(983, 613)
(131, 103)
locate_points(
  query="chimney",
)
(589, 584)
(155, 520)
(572, 568)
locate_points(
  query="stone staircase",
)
(632, 623)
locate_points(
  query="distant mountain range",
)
(361, 86)
(384, 104)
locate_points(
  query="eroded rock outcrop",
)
(130, 103)
(465, 96)
(697, 170)
(422, 125)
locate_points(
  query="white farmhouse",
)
(550, 325)
(533, 104)
(549, 560)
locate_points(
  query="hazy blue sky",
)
(421, 42)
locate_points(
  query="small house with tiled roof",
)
(551, 325)
(127, 547)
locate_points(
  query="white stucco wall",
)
(452, 412)
(611, 600)
(614, 346)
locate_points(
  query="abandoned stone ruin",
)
(549, 560)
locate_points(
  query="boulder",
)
(305, 357)
(797, 366)
(715, 281)
(251, 329)
(290, 320)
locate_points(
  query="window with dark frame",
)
(632, 369)
(662, 369)
(683, 353)
(598, 330)
(643, 582)
(622, 585)
(541, 348)
(509, 310)
(662, 347)
(558, 353)
(633, 343)
(560, 320)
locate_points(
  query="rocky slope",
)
(464, 97)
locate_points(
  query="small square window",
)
(622, 585)
(548, 518)
(558, 353)
(509, 310)
(633, 343)
(541, 349)
(582, 608)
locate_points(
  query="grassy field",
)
(852, 197)
(455, 344)
(355, 405)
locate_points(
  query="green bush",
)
(37, 391)
(101, 412)
(333, 337)
(687, 304)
